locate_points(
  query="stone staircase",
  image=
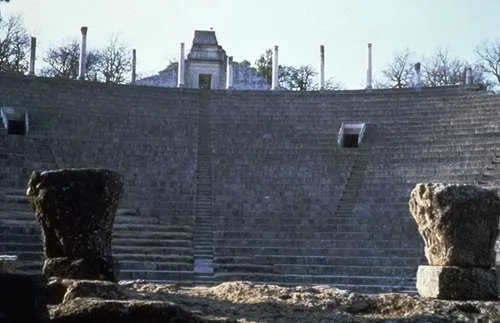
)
(350, 193)
(203, 231)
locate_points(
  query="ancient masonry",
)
(279, 187)
(207, 66)
(459, 225)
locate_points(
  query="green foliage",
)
(265, 66)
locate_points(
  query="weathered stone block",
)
(457, 283)
(458, 223)
(8, 264)
(75, 209)
(99, 268)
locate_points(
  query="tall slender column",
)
(417, 83)
(83, 54)
(32, 56)
(322, 68)
(181, 69)
(229, 73)
(134, 65)
(275, 70)
(468, 75)
(369, 71)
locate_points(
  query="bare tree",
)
(114, 61)
(64, 61)
(489, 58)
(14, 45)
(441, 69)
(398, 73)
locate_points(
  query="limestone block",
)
(75, 209)
(457, 283)
(8, 264)
(458, 223)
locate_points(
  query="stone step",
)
(203, 240)
(164, 276)
(307, 260)
(153, 257)
(7, 236)
(117, 234)
(151, 250)
(150, 227)
(152, 266)
(290, 269)
(232, 251)
(20, 246)
(181, 241)
(24, 255)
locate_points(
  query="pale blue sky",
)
(246, 28)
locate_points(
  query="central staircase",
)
(354, 182)
(203, 232)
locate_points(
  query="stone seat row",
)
(324, 116)
(323, 260)
(229, 253)
(331, 242)
(316, 269)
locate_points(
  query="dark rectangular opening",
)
(205, 81)
(16, 127)
(350, 140)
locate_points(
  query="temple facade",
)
(207, 66)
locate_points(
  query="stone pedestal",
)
(457, 283)
(459, 225)
(75, 209)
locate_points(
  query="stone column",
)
(181, 70)
(468, 75)
(75, 209)
(32, 56)
(369, 71)
(134, 65)
(417, 80)
(322, 68)
(275, 69)
(229, 73)
(459, 226)
(83, 54)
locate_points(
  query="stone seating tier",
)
(276, 170)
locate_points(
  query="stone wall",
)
(280, 182)
(147, 134)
